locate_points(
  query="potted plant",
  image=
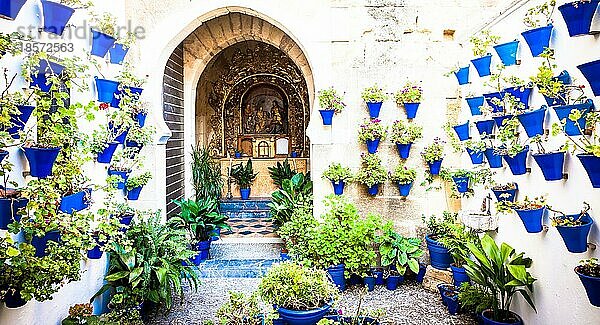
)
(551, 163)
(58, 13)
(371, 173)
(137, 138)
(139, 111)
(103, 33)
(300, 295)
(457, 238)
(481, 46)
(372, 132)
(577, 127)
(404, 135)
(374, 97)
(512, 150)
(331, 103)
(508, 52)
(281, 172)
(121, 166)
(200, 219)
(295, 193)
(461, 178)
(578, 16)
(588, 145)
(553, 88)
(398, 254)
(130, 87)
(476, 150)
(11, 200)
(475, 103)
(241, 309)
(506, 192)
(361, 315)
(9, 9)
(503, 273)
(433, 155)
(533, 121)
(404, 177)
(135, 184)
(531, 212)
(121, 48)
(338, 176)
(462, 131)
(437, 228)
(589, 274)
(410, 97)
(244, 176)
(102, 144)
(539, 21)
(493, 157)
(106, 89)
(574, 228)
(462, 75)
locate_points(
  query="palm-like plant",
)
(244, 176)
(200, 218)
(503, 273)
(206, 174)
(295, 193)
(281, 172)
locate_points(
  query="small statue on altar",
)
(250, 125)
(277, 121)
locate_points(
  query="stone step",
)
(244, 250)
(239, 259)
(247, 214)
(235, 268)
(251, 205)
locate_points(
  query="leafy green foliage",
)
(206, 174)
(336, 173)
(403, 175)
(372, 130)
(374, 94)
(138, 181)
(330, 100)
(295, 193)
(244, 176)
(474, 298)
(281, 171)
(540, 15)
(291, 286)
(589, 267)
(502, 272)
(456, 240)
(405, 133)
(371, 171)
(434, 151)
(200, 218)
(482, 45)
(240, 309)
(399, 251)
(411, 93)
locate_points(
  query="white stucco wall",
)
(559, 296)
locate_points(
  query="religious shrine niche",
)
(259, 103)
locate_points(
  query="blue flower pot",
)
(485, 128)
(9, 209)
(294, 154)
(245, 193)
(575, 237)
(378, 274)
(119, 138)
(13, 299)
(489, 99)
(506, 195)
(551, 165)
(476, 156)
(411, 110)
(372, 145)
(41, 160)
(538, 39)
(486, 318)
(215, 234)
(591, 72)
(462, 75)
(532, 219)
(118, 53)
(521, 93)
(370, 283)
(18, 121)
(203, 249)
(462, 184)
(140, 118)
(421, 274)
(533, 122)
(105, 157)
(307, 317)
(96, 252)
(40, 80)
(134, 193)
(9, 9)
(493, 159)
(439, 255)
(373, 190)
(499, 120)
(508, 52)
(518, 163)
(106, 89)
(403, 150)
(136, 146)
(442, 288)
(451, 302)
(238, 155)
(404, 189)
(392, 282)
(123, 174)
(578, 16)
(591, 164)
(475, 104)
(327, 116)
(284, 256)
(76, 202)
(482, 65)
(336, 273)
(355, 280)
(116, 99)
(41, 243)
(462, 131)
(101, 43)
(434, 167)
(338, 187)
(573, 128)
(592, 287)
(351, 320)
(3, 154)
(374, 109)
(459, 274)
(56, 16)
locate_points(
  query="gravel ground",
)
(410, 304)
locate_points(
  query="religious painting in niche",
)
(265, 110)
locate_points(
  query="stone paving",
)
(410, 304)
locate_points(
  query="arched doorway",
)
(252, 85)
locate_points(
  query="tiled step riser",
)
(249, 268)
(246, 214)
(233, 251)
(237, 205)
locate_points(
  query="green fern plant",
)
(281, 171)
